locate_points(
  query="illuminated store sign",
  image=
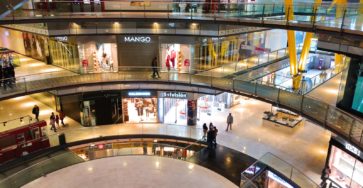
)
(137, 39)
(139, 93)
(62, 39)
(179, 95)
(352, 149)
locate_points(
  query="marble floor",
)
(327, 92)
(133, 171)
(305, 147)
(32, 69)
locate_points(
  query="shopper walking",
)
(57, 120)
(229, 122)
(52, 122)
(35, 111)
(215, 133)
(61, 117)
(154, 65)
(210, 139)
(205, 131)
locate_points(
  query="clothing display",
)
(176, 57)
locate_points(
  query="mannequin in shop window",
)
(140, 109)
(105, 63)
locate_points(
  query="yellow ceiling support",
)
(341, 4)
(292, 52)
(289, 13)
(291, 41)
(212, 51)
(307, 41)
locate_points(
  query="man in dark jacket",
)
(35, 111)
(154, 65)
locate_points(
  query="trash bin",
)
(62, 139)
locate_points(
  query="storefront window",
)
(175, 111)
(88, 113)
(176, 57)
(138, 110)
(98, 57)
(346, 171)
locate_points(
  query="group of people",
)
(7, 71)
(53, 119)
(210, 134)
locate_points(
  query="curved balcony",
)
(329, 117)
(308, 17)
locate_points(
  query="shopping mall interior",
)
(181, 93)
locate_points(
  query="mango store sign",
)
(137, 39)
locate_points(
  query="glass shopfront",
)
(345, 164)
(176, 57)
(208, 104)
(100, 109)
(139, 107)
(173, 107)
(98, 57)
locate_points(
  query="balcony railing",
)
(330, 117)
(338, 18)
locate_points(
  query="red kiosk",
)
(22, 141)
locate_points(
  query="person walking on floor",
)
(229, 121)
(205, 131)
(215, 133)
(61, 117)
(57, 120)
(35, 111)
(52, 122)
(210, 139)
(154, 65)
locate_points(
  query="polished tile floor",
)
(133, 171)
(328, 92)
(304, 147)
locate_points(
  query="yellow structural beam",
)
(291, 41)
(289, 13)
(307, 41)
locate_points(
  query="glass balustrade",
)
(324, 16)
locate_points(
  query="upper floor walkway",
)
(308, 17)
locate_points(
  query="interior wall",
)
(70, 105)
(12, 39)
(137, 53)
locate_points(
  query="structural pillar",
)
(307, 41)
(291, 40)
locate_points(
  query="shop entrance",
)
(175, 111)
(100, 109)
(140, 110)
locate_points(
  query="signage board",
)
(173, 94)
(137, 39)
